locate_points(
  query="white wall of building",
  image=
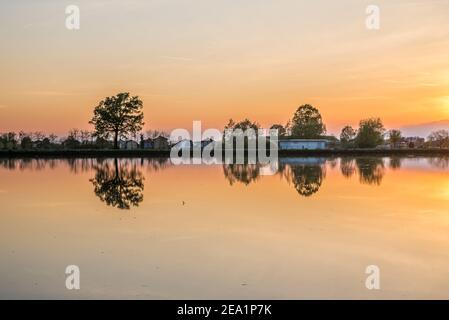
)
(302, 144)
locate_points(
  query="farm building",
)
(128, 145)
(302, 144)
(147, 144)
(160, 143)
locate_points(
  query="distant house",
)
(128, 145)
(302, 144)
(414, 142)
(147, 144)
(160, 143)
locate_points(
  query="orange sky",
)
(212, 60)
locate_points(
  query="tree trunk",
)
(116, 140)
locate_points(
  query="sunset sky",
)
(211, 60)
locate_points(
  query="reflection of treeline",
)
(439, 162)
(370, 170)
(79, 165)
(306, 178)
(117, 182)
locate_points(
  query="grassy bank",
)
(166, 153)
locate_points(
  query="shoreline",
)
(166, 153)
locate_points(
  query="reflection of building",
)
(302, 144)
(147, 144)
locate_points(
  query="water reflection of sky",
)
(144, 228)
(120, 182)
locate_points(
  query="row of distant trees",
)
(75, 139)
(307, 123)
(372, 133)
(121, 116)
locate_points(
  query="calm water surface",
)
(144, 228)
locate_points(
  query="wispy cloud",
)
(177, 58)
(48, 93)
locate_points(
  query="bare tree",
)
(39, 135)
(156, 133)
(439, 138)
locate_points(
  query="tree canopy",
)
(439, 138)
(370, 133)
(282, 132)
(395, 137)
(119, 115)
(307, 123)
(347, 135)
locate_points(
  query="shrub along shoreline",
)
(107, 153)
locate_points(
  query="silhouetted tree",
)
(72, 141)
(119, 115)
(395, 137)
(307, 123)
(26, 143)
(281, 130)
(8, 140)
(347, 135)
(118, 186)
(439, 138)
(44, 144)
(52, 137)
(38, 135)
(243, 125)
(156, 133)
(370, 133)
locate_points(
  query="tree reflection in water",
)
(439, 162)
(347, 167)
(395, 163)
(371, 170)
(306, 178)
(243, 173)
(118, 185)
